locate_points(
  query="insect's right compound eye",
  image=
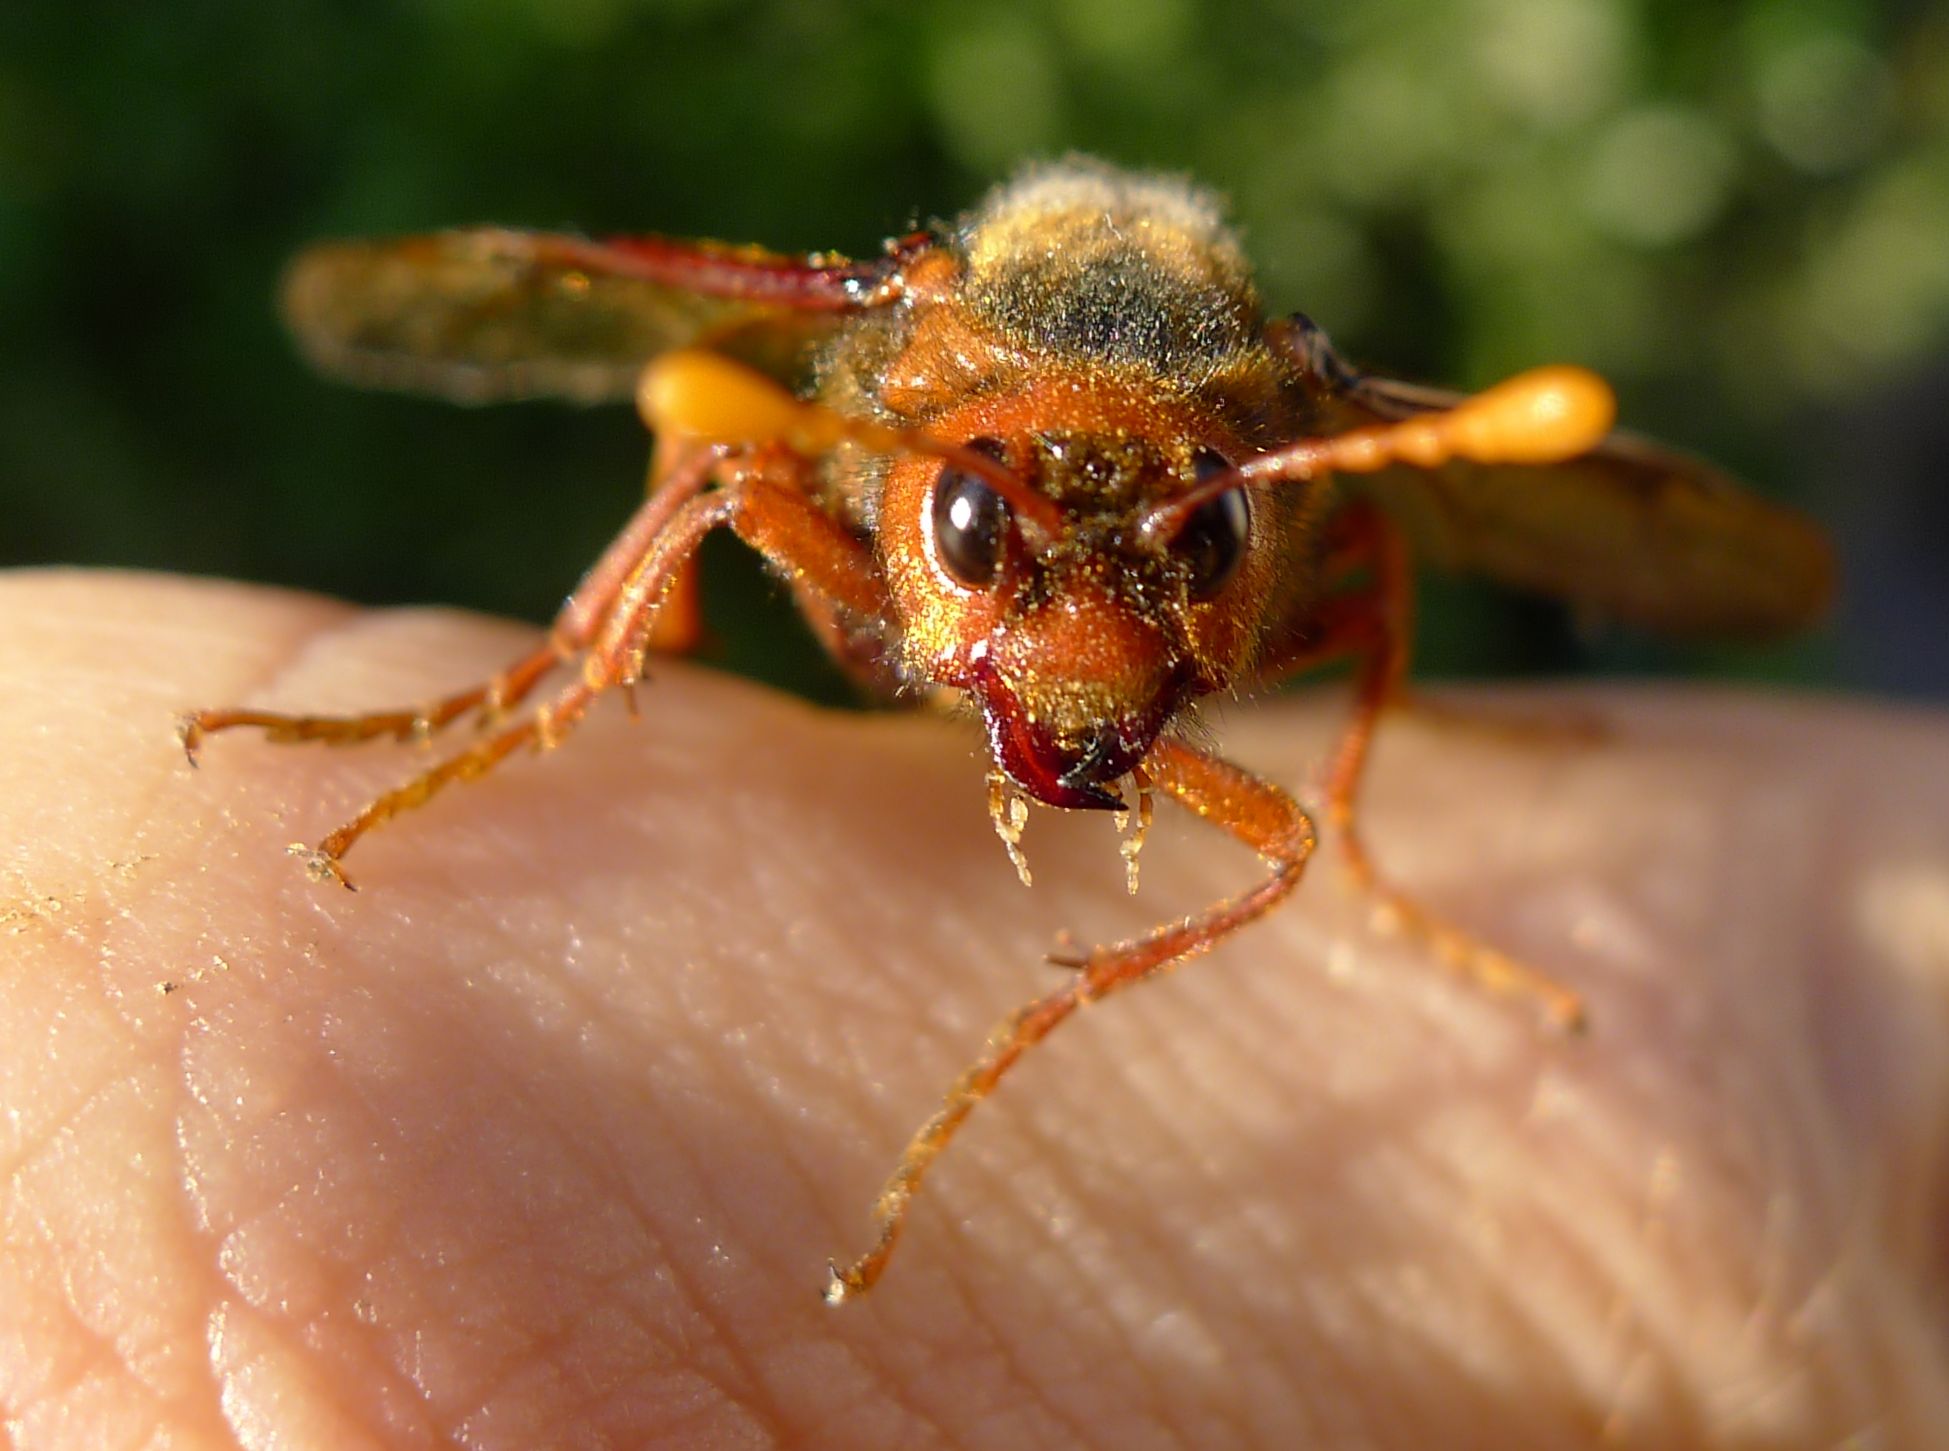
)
(1212, 542)
(971, 521)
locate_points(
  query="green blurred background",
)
(1739, 212)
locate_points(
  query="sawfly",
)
(1052, 462)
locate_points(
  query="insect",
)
(1054, 462)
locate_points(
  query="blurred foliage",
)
(1740, 212)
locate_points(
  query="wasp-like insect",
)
(1054, 461)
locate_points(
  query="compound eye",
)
(971, 521)
(1212, 542)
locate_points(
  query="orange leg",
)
(1372, 626)
(1258, 814)
(680, 624)
(574, 627)
(611, 621)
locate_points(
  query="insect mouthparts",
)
(1104, 753)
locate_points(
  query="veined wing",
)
(489, 314)
(1632, 530)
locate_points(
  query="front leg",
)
(1260, 815)
(609, 624)
(575, 627)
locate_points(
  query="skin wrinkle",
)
(1822, 1204)
(1242, 1303)
(1013, 1380)
(144, 812)
(1789, 1381)
(374, 1388)
(700, 1308)
(1391, 1297)
(274, 1319)
(1248, 1301)
(747, 1087)
(1272, 1363)
(1387, 1327)
(644, 1220)
(1340, 1169)
(1040, 1375)
(552, 1355)
(914, 1372)
(1622, 1257)
(704, 1426)
(1101, 1302)
(1781, 1317)
(113, 1347)
(555, 1352)
(512, 1364)
(696, 1301)
(1097, 1196)
(369, 1106)
(746, 1364)
(1909, 1153)
(1160, 1410)
(1098, 1190)
(850, 1080)
(1520, 1324)
(1631, 1337)
(1770, 1089)
(1577, 1238)
(85, 1366)
(263, 1379)
(31, 1151)
(759, 1399)
(1070, 1423)
(844, 1417)
(1817, 1223)
(1525, 1318)
(373, 1128)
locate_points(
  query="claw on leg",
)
(320, 867)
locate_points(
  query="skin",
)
(542, 1137)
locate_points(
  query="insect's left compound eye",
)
(971, 521)
(1212, 541)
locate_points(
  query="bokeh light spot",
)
(1658, 175)
(995, 90)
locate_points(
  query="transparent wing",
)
(1631, 530)
(488, 314)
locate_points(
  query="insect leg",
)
(774, 516)
(1372, 625)
(636, 599)
(1260, 815)
(765, 504)
(574, 628)
(680, 623)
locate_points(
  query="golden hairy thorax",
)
(1139, 271)
(1072, 276)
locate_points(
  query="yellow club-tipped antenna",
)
(1543, 416)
